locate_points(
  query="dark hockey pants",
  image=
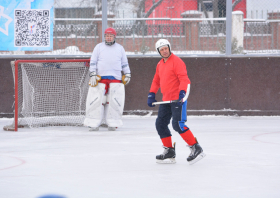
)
(178, 114)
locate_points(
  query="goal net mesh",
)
(52, 93)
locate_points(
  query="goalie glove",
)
(126, 78)
(94, 78)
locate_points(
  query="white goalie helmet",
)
(162, 42)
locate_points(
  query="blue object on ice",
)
(52, 196)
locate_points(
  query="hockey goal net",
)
(49, 93)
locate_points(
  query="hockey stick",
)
(164, 102)
(172, 101)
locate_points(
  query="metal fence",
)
(192, 27)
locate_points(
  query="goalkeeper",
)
(109, 72)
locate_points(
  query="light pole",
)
(104, 17)
(228, 26)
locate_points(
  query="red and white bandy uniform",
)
(108, 61)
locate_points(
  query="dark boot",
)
(196, 153)
(168, 156)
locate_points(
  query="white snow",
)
(70, 50)
(242, 160)
(237, 12)
(191, 12)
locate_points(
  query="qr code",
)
(32, 28)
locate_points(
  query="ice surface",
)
(242, 160)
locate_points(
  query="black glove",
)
(151, 99)
(182, 94)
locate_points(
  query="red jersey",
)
(171, 77)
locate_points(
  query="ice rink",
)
(242, 160)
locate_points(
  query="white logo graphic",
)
(6, 30)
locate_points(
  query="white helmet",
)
(162, 42)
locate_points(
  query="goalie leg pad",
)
(115, 105)
(94, 107)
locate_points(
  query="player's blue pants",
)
(178, 114)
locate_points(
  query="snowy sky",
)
(259, 8)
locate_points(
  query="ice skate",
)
(94, 129)
(196, 153)
(168, 156)
(112, 128)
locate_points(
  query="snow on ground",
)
(242, 160)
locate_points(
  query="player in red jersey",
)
(172, 78)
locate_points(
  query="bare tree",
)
(139, 6)
(98, 3)
(155, 4)
(235, 3)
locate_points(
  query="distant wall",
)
(219, 86)
(205, 43)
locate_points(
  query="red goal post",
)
(67, 74)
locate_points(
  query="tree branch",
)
(152, 8)
(235, 3)
(140, 8)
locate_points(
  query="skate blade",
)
(166, 161)
(199, 157)
(94, 129)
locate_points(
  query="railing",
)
(139, 38)
(186, 35)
